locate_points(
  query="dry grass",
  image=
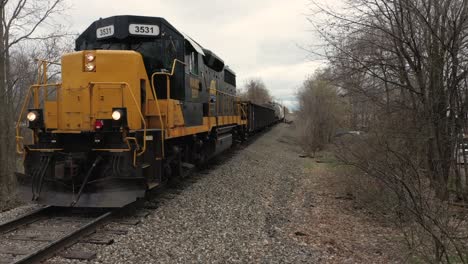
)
(342, 227)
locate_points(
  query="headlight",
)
(35, 118)
(32, 116)
(119, 118)
(116, 115)
(90, 57)
(90, 67)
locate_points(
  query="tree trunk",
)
(6, 122)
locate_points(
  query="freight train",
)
(140, 103)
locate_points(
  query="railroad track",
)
(41, 234)
(49, 231)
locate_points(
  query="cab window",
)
(170, 53)
(194, 63)
(191, 58)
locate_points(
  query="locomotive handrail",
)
(42, 76)
(50, 62)
(228, 94)
(168, 87)
(19, 138)
(159, 112)
(128, 139)
(243, 111)
(125, 84)
(173, 66)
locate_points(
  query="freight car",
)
(139, 104)
(279, 111)
(259, 117)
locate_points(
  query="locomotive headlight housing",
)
(117, 115)
(90, 57)
(32, 116)
(119, 118)
(35, 118)
(89, 61)
(90, 67)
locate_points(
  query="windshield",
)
(157, 54)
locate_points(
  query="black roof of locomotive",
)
(121, 32)
(121, 28)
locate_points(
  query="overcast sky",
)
(257, 39)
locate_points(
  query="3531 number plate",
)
(104, 32)
(145, 30)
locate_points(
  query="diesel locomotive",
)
(139, 103)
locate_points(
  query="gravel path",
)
(239, 211)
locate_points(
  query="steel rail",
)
(25, 219)
(71, 238)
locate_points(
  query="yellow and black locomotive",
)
(139, 103)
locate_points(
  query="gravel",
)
(244, 209)
(239, 211)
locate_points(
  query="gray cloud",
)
(256, 38)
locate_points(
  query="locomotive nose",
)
(96, 84)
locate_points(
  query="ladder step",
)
(188, 166)
(152, 185)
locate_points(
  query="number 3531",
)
(149, 30)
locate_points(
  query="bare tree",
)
(23, 22)
(414, 53)
(256, 92)
(320, 112)
(405, 63)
